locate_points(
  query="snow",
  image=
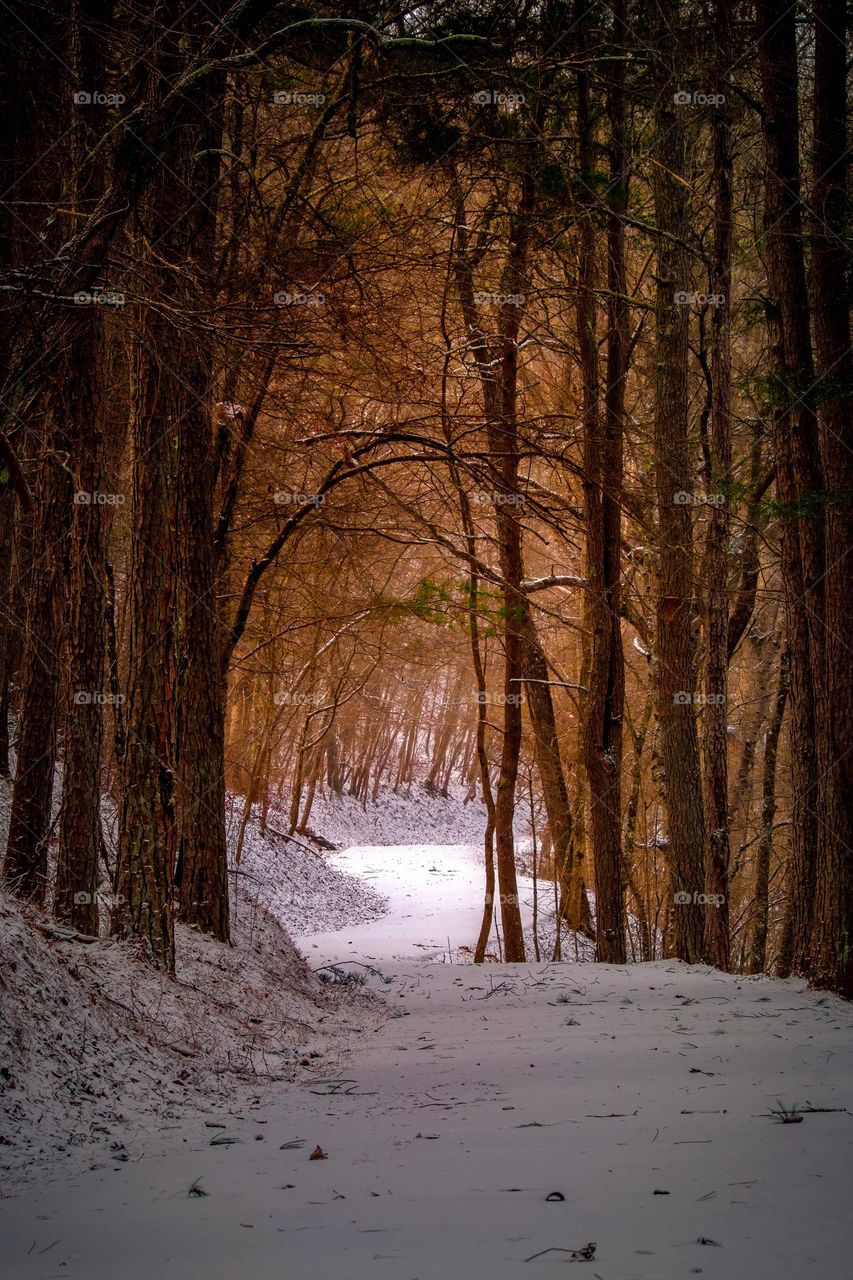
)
(448, 1129)
(295, 884)
(410, 816)
(642, 1095)
(433, 897)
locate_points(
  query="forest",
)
(443, 410)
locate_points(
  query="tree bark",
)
(757, 961)
(675, 645)
(798, 475)
(716, 947)
(83, 375)
(201, 874)
(604, 703)
(831, 960)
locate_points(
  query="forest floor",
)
(499, 1122)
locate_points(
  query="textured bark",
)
(757, 961)
(202, 860)
(8, 627)
(147, 838)
(147, 828)
(798, 476)
(675, 645)
(831, 959)
(25, 866)
(80, 835)
(716, 946)
(82, 376)
(603, 433)
(29, 161)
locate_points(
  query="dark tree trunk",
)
(549, 766)
(675, 644)
(798, 475)
(716, 563)
(758, 950)
(604, 703)
(483, 766)
(82, 375)
(80, 834)
(831, 961)
(202, 864)
(26, 864)
(8, 627)
(500, 404)
(30, 161)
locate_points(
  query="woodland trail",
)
(503, 1112)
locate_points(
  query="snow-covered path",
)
(435, 902)
(639, 1095)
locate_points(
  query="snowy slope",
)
(410, 816)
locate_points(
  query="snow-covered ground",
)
(501, 1122)
(515, 1111)
(433, 907)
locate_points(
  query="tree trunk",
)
(202, 860)
(80, 834)
(83, 374)
(758, 950)
(831, 962)
(716, 563)
(604, 704)
(29, 161)
(798, 477)
(26, 865)
(675, 644)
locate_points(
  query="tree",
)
(675, 642)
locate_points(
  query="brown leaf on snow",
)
(318, 1154)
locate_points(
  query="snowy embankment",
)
(100, 1055)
